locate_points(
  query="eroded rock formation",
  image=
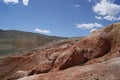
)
(69, 61)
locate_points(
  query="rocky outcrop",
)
(18, 74)
(60, 61)
(95, 45)
(86, 49)
(113, 33)
(107, 70)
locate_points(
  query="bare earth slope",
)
(108, 70)
(96, 57)
(13, 41)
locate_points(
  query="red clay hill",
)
(95, 57)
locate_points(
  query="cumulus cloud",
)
(98, 17)
(107, 9)
(110, 18)
(11, 1)
(89, 25)
(77, 6)
(25, 2)
(38, 30)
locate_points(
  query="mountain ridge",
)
(12, 41)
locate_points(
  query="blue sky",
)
(67, 18)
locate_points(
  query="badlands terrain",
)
(95, 57)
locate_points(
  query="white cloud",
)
(92, 30)
(11, 1)
(89, 25)
(25, 2)
(77, 6)
(110, 18)
(41, 31)
(98, 17)
(107, 9)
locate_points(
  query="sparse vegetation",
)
(12, 41)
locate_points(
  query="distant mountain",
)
(1, 30)
(12, 41)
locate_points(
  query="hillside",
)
(13, 41)
(95, 57)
